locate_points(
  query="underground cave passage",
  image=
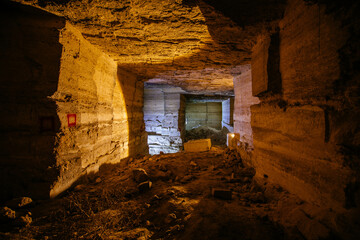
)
(172, 118)
(98, 99)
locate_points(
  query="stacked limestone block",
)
(164, 119)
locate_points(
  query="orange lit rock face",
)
(89, 89)
(188, 45)
(77, 110)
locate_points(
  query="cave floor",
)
(179, 205)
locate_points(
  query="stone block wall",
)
(242, 113)
(164, 119)
(299, 140)
(67, 106)
(107, 102)
(203, 114)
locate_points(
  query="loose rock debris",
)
(208, 195)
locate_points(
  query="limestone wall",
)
(164, 119)
(67, 108)
(203, 114)
(107, 102)
(299, 139)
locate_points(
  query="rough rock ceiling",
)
(185, 43)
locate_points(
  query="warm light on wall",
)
(232, 139)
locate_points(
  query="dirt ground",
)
(179, 204)
(218, 137)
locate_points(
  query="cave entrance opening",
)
(208, 117)
(173, 118)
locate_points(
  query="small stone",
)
(155, 198)
(171, 217)
(193, 164)
(140, 175)
(148, 223)
(7, 214)
(19, 202)
(257, 197)
(187, 178)
(145, 186)
(24, 220)
(187, 217)
(162, 168)
(224, 194)
(98, 180)
(79, 187)
(174, 229)
(160, 175)
(171, 192)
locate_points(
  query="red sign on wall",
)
(71, 117)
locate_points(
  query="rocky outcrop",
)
(171, 40)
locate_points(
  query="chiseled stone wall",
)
(242, 114)
(107, 102)
(164, 119)
(299, 140)
(50, 71)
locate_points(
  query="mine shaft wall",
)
(305, 129)
(66, 107)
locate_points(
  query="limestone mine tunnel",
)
(100, 97)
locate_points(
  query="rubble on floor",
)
(218, 137)
(207, 195)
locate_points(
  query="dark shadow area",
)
(249, 12)
(222, 220)
(44, 3)
(273, 67)
(29, 66)
(218, 137)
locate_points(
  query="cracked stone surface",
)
(183, 43)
